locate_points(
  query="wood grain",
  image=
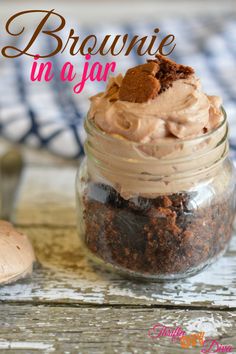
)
(113, 330)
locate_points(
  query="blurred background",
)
(115, 11)
(49, 116)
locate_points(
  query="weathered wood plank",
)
(37, 157)
(106, 330)
(66, 276)
(47, 196)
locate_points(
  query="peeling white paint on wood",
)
(112, 330)
(214, 325)
(26, 345)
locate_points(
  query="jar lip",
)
(90, 126)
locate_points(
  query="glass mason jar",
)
(162, 211)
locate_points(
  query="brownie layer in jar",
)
(164, 236)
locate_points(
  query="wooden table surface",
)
(68, 306)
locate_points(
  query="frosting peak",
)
(156, 107)
(182, 111)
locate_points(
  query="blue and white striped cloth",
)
(50, 115)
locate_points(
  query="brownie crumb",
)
(166, 235)
(147, 81)
(170, 71)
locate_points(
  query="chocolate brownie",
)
(167, 235)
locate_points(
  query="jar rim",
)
(90, 127)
